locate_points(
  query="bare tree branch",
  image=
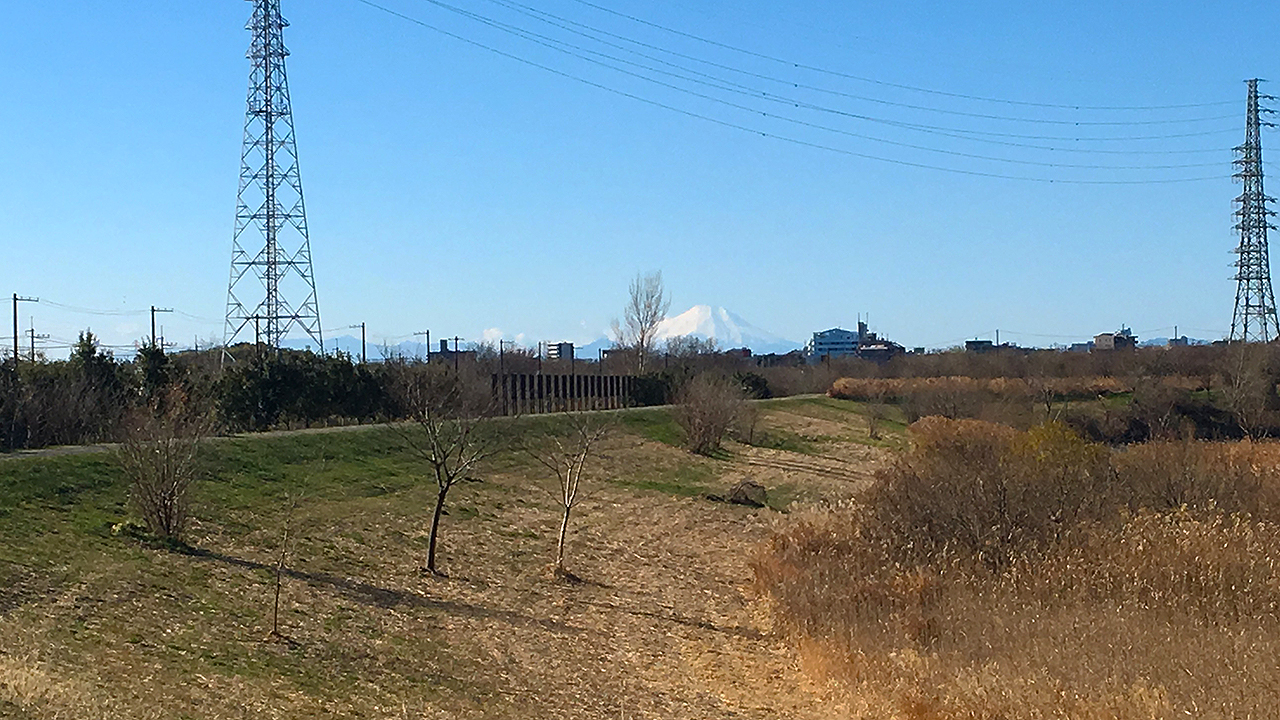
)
(646, 308)
(567, 459)
(451, 431)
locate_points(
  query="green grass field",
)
(96, 620)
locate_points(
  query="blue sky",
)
(454, 189)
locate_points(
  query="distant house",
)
(838, 342)
(833, 343)
(880, 351)
(560, 351)
(979, 346)
(795, 358)
(452, 356)
(1122, 340)
(1081, 347)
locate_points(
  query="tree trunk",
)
(435, 529)
(564, 529)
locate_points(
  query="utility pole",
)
(456, 339)
(1254, 318)
(34, 337)
(16, 349)
(363, 358)
(428, 334)
(155, 310)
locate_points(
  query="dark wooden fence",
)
(526, 394)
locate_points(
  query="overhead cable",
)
(884, 83)
(762, 133)
(570, 49)
(569, 25)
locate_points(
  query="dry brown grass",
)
(1152, 593)
(901, 388)
(663, 625)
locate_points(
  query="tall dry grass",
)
(1001, 574)
(1069, 387)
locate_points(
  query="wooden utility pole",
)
(34, 337)
(363, 357)
(17, 350)
(155, 310)
(428, 334)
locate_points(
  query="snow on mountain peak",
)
(728, 329)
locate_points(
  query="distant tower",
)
(1254, 319)
(271, 250)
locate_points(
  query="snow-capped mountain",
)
(728, 329)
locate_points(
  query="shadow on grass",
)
(666, 614)
(369, 594)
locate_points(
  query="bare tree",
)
(452, 431)
(877, 413)
(159, 454)
(707, 408)
(281, 558)
(1249, 389)
(646, 308)
(567, 458)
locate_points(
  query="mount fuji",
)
(728, 329)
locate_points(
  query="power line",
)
(762, 133)
(569, 25)
(560, 46)
(88, 311)
(884, 83)
(556, 45)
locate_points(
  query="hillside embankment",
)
(97, 621)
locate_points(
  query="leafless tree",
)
(747, 423)
(567, 458)
(281, 558)
(159, 454)
(877, 413)
(1249, 388)
(707, 407)
(451, 429)
(687, 346)
(646, 307)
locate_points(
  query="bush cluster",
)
(993, 573)
(92, 396)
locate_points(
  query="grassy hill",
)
(95, 621)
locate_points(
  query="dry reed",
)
(998, 574)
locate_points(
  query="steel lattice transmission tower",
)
(1254, 319)
(271, 250)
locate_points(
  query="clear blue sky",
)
(454, 189)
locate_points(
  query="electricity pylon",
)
(1254, 319)
(271, 249)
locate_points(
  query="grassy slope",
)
(97, 623)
